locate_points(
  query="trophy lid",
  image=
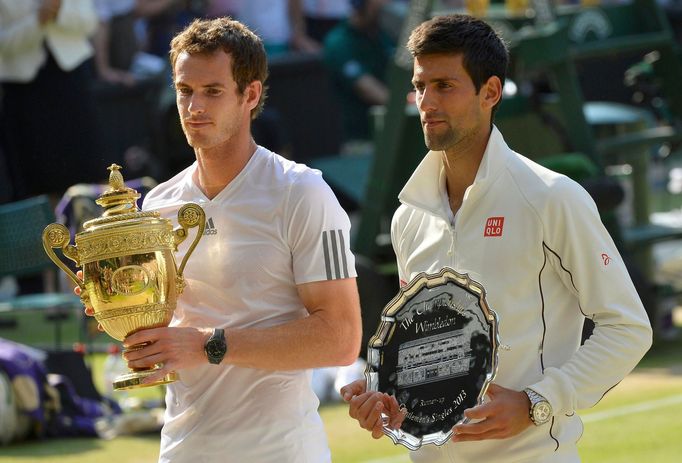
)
(119, 202)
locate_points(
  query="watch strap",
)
(540, 409)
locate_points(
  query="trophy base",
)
(133, 380)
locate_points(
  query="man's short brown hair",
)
(206, 36)
(484, 53)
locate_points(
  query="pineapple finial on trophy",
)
(118, 199)
(115, 177)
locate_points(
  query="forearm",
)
(296, 16)
(311, 342)
(330, 335)
(101, 43)
(371, 90)
(297, 20)
(603, 361)
(105, 71)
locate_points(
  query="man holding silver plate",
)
(480, 352)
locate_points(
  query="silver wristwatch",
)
(540, 408)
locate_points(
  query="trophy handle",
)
(189, 216)
(57, 235)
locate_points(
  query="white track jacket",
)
(533, 238)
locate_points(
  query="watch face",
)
(541, 412)
(215, 348)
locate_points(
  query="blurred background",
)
(593, 92)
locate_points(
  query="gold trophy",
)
(130, 277)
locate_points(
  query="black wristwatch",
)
(540, 408)
(216, 346)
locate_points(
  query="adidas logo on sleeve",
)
(210, 228)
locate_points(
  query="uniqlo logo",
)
(494, 226)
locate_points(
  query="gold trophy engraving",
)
(130, 277)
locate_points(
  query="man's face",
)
(212, 111)
(450, 109)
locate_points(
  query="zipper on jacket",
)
(451, 249)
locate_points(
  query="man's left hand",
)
(506, 414)
(173, 348)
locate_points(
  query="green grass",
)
(644, 436)
(138, 449)
(650, 436)
(647, 436)
(350, 443)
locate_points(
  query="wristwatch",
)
(216, 346)
(540, 408)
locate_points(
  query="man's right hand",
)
(367, 407)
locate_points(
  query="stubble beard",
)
(441, 142)
(192, 139)
(206, 141)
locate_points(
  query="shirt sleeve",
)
(593, 270)
(77, 16)
(318, 231)
(18, 34)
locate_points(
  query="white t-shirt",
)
(276, 225)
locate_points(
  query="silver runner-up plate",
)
(435, 351)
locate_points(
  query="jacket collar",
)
(426, 187)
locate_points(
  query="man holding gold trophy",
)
(533, 238)
(270, 289)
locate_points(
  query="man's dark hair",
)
(484, 53)
(206, 36)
